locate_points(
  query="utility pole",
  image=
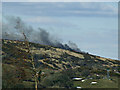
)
(108, 76)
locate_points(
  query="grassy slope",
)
(17, 70)
(101, 83)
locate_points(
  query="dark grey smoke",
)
(13, 27)
(73, 46)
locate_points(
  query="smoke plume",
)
(13, 27)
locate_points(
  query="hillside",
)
(58, 67)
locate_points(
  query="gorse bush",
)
(63, 79)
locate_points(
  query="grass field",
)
(101, 83)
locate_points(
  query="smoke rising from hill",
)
(13, 27)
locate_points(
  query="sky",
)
(60, 0)
(93, 26)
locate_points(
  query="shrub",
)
(62, 79)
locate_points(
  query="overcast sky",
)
(92, 26)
